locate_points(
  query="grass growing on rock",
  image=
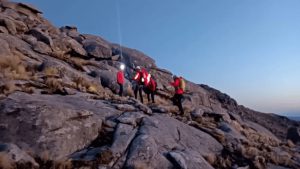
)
(11, 67)
(86, 85)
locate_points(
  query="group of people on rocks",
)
(144, 81)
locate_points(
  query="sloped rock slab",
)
(57, 124)
(159, 134)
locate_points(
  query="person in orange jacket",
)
(177, 98)
(150, 89)
(121, 79)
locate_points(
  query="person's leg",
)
(147, 91)
(148, 97)
(152, 96)
(141, 93)
(121, 90)
(136, 88)
(174, 100)
(180, 97)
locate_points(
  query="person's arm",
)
(175, 83)
(136, 77)
(122, 77)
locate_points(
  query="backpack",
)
(182, 84)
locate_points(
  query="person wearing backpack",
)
(179, 85)
(121, 79)
(150, 89)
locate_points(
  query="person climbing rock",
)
(150, 89)
(179, 86)
(139, 78)
(121, 79)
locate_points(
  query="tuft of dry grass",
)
(281, 159)
(61, 55)
(86, 85)
(92, 89)
(210, 158)
(55, 86)
(51, 71)
(78, 63)
(11, 67)
(5, 162)
(251, 152)
(8, 87)
(29, 90)
(63, 164)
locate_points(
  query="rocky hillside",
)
(58, 109)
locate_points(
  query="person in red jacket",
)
(121, 79)
(177, 98)
(150, 89)
(139, 79)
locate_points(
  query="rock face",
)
(44, 122)
(59, 108)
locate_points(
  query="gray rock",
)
(122, 138)
(30, 7)
(42, 48)
(29, 39)
(76, 47)
(57, 124)
(293, 134)
(180, 133)
(142, 152)
(10, 25)
(93, 156)
(12, 13)
(110, 123)
(72, 32)
(125, 107)
(16, 44)
(96, 47)
(41, 36)
(188, 160)
(178, 158)
(159, 134)
(17, 155)
(132, 57)
(164, 109)
(4, 50)
(260, 129)
(3, 30)
(131, 118)
(21, 27)
(197, 113)
(272, 166)
(143, 108)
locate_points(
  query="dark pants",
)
(121, 89)
(138, 88)
(150, 93)
(177, 100)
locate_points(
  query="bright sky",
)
(249, 49)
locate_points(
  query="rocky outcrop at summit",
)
(59, 109)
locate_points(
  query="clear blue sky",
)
(249, 49)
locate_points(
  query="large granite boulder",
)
(159, 135)
(96, 47)
(56, 124)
